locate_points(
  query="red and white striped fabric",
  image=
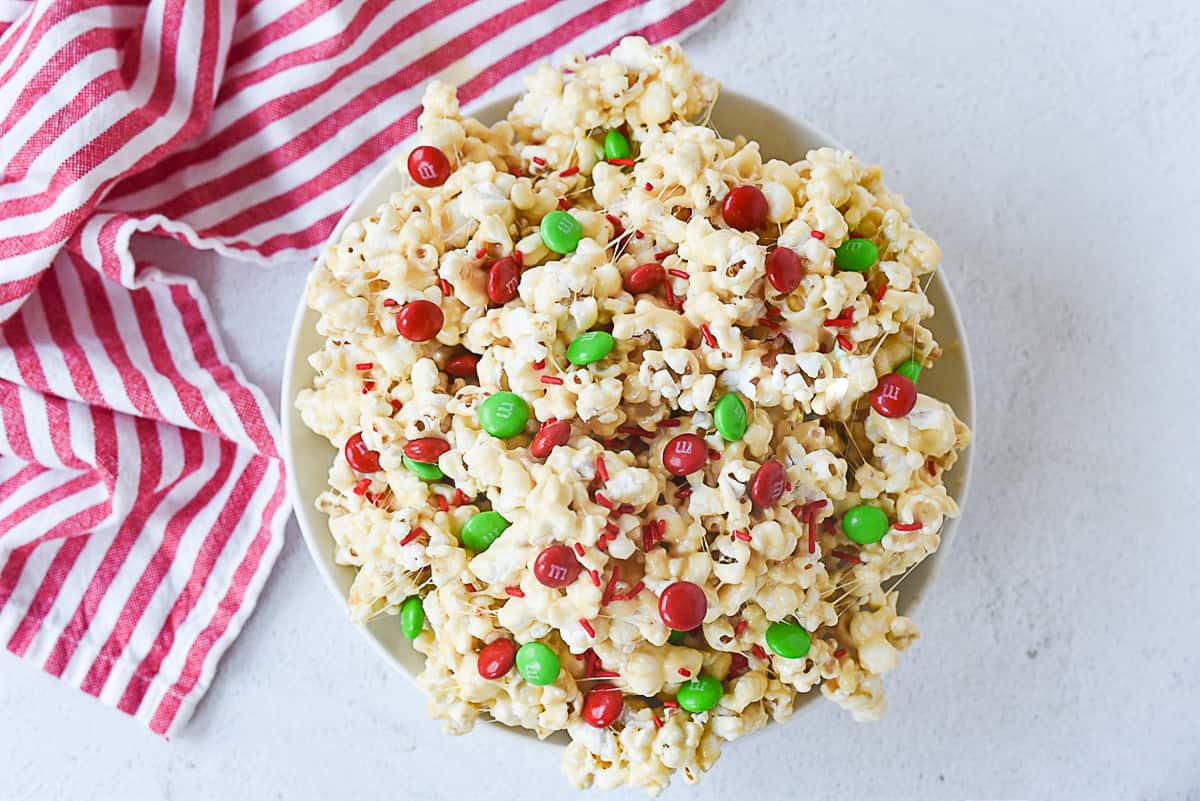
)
(142, 497)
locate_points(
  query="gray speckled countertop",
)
(1051, 148)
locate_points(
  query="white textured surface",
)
(1051, 148)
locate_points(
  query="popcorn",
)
(714, 325)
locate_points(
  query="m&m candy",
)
(359, 456)
(537, 664)
(699, 694)
(855, 255)
(616, 146)
(496, 658)
(428, 166)
(412, 617)
(729, 415)
(426, 449)
(684, 454)
(682, 605)
(788, 640)
(768, 483)
(552, 434)
(556, 566)
(865, 524)
(645, 278)
(602, 705)
(590, 347)
(482, 529)
(744, 208)
(419, 320)
(785, 271)
(504, 277)
(464, 365)
(910, 369)
(426, 471)
(894, 396)
(504, 414)
(561, 232)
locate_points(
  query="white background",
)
(1051, 148)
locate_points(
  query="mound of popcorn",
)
(628, 428)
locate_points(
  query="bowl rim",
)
(296, 373)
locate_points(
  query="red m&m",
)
(552, 434)
(504, 276)
(360, 457)
(784, 269)
(602, 705)
(496, 658)
(766, 487)
(556, 566)
(427, 449)
(744, 208)
(464, 365)
(419, 320)
(682, 606)
(894, 396)
(684, 454)
(428, 166)
(645, 277)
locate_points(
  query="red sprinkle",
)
(818, 234)
(616, 223)
(390, 302)
(361, 487)
(460, 497)
(669, 704)
(658, 724)
(517, 172)
(551, 379)
(564, 204)
(687, 674)
(839, 653)
(662, 528)
(842, 321)
(649, 186)
(634, 431)
(622, 162)
(611, 528)
(538, 160)
(444, 285)
(638, 235)
(845, 343)
(846, 557)
(879, 293)
(412, 535)
(515, 592)
(595, 577)
(471, 587)
(579, 548)
(679, 273)
(625, 509)
(684, 493)
(603, 500)
(368, 386)
(708, 335)
(441, 502)
(364, 365)
(605, 674)
(568, 172)
(611, 585)
(670, 422)
(670, 293)
(601, 470)
(634, 591)
(759, 652)
(916, 525)
(742, 535)
(479, 254)
(583, 622)
(540, 364)
(740, 627)
(662, 254)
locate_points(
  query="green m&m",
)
(537, 664)
(699, 694)
(504, 414)
(865, 524)
(412, 617)
(590, 347)
(788, 640)
(561, 232)
(482, 529)
(856, 255)
(677, 637)
(910, 369)
(616, 146)
(730, 417)
(426, 471)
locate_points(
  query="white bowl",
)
(309, 456)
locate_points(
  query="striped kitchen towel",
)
(142, 496)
